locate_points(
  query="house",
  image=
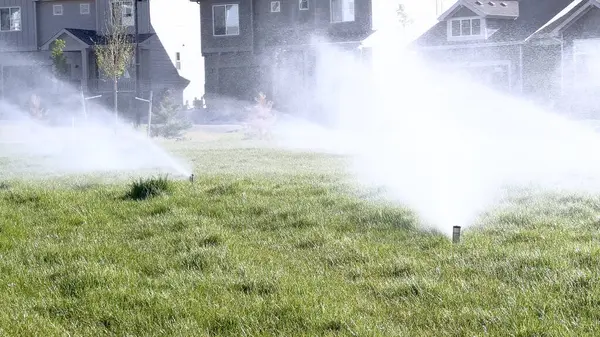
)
(269, 46)
(29, 29)
(523, 47)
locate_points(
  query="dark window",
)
(226, 20)
(303, 5)
(465, 27)
(455, 28)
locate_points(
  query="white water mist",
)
(439, 143)
(74, 142)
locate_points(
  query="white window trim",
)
(57, 9)
(87, 7)
(20, 21)
(331, 14)
(482, 34)
(278, 8)
(300, 5)
(213, 20)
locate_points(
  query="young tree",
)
(59, 60)
(403, 17)
(115, 52)
(168, 120)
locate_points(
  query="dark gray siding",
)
(144, 25)
(163, 72)
(25, 39)
(242, 42)
(260, 28)
(462, 12)
(49, 24)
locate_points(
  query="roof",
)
(560, 21)
(533, 14)
(503, 9)
(493, 8)
(91, 37)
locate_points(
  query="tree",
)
(59, 60)
(168, 120)
(261, 118)
(115, 52)
(403, 17)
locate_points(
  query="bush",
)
(147, 188)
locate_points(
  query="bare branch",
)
(115, 52)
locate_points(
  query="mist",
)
(70, 140)
(437, 141)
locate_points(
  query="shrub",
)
(168, 120)
(147, 188)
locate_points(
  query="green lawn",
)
(273, 243)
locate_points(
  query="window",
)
(178, 60)
(57, 9)
(275, 6)
(84, 9)
(465, 27)
(10, 19)
(226, 20)
(303, 5)
(122, 12)
(342, 10)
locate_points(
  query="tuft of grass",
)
(145, 188)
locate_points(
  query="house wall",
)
(49, 24)
(24, 39)
(103, 15)
(464, 56)
(542, 71)
(214, 44)
(241, 66)
(580, 88)
(163, 73)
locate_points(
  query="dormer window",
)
(466, 28)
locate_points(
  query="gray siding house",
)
(546, 50)
(262, 45)
(28, 29)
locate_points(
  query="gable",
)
(71, 44)
(462, 12)
(587, 26)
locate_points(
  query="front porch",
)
(83, 72)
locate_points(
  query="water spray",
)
(456, 234)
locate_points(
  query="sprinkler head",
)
(192, 178)
(456, 234)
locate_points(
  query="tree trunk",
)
(116, 98)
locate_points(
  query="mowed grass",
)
(273, 243)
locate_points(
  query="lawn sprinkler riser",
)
(456, 234)
(192, 178)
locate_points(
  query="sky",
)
(422, 12)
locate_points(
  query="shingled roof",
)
(503, 9)
(532, 15)
(553, 27)
(91, 37)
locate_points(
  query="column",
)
(85, 72)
